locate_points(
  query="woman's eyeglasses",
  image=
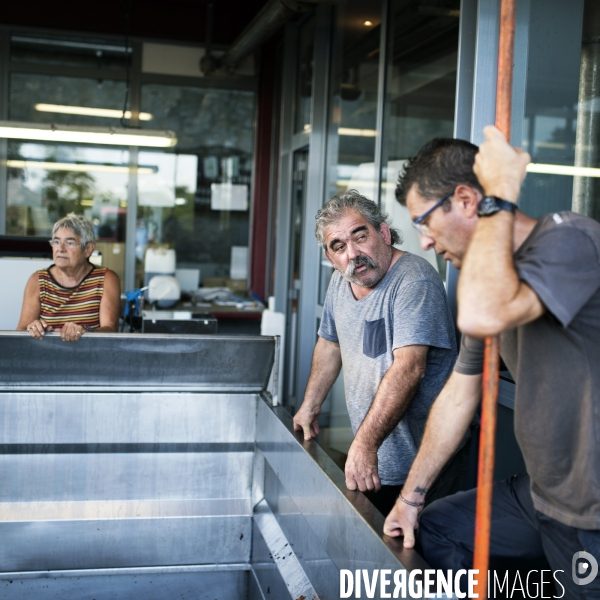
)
(55, 243)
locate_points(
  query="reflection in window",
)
(197, 202)
(47, 181)
(305, 76)
(58, 94)
(561, 121)
(354, 102)
(353, 118)
(420, 96)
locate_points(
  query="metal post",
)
(310, 252)
(380, 159)
(135, 99)
(586, 190)
(4, 85)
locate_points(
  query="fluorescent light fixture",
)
(95, 47)
(563, 170)
(357, 132)
(113, 136)
(79, 167)
(349, 131)
(88, 111)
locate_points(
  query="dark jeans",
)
(448, 482)
(519, 532)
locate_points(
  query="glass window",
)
(47, 181)
(197, 200)
(353, 117)
(561, 123)
(53, 99)
(304, 80)
(420, 96)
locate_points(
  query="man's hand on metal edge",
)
(361, 469)
(307, 420)
(402, 520)
(499, 167)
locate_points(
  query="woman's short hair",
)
(80, 226)
(340, 204)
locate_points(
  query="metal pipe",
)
(208, 62)
(586, 190)
(491, 373)
(270, 18)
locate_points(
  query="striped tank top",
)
(79, 304)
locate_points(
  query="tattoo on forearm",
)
(420, 490)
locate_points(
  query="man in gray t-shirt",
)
(537, 283)
(386, 320)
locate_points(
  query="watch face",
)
(488, 206)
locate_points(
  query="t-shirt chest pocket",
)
(374, 340)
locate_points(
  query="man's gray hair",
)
(80, 226)
(340, 204)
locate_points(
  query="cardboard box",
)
(237, 285)
(214, 282)
(113, 257)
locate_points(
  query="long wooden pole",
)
(487, 443)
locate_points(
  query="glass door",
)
(300, 164)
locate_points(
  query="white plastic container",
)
(159, 261)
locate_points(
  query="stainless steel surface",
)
(103, 491)
(283, 554)
(124, 477)
(199, 585)
(151, 361)
(131, 418)
(485, 68)
(107, 480)
(275, 399)
(125, 542)
(467, 35)
(331, 527)
(268, 578)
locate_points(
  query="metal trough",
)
(157, 467)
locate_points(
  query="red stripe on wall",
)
(262, 171)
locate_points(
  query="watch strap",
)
(490, 205)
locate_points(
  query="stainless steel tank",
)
(158, 467)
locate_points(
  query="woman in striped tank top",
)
(72, 296)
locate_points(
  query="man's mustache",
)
(357, 262)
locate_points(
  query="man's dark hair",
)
(439, 166)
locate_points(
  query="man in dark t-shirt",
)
(537, 283)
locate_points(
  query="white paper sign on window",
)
(238, 268)
(228, 196)
(155, 191)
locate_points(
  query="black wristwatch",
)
(490, 205)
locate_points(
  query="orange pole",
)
(487, 443)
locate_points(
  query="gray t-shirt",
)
(555, 361)
(407, 307)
